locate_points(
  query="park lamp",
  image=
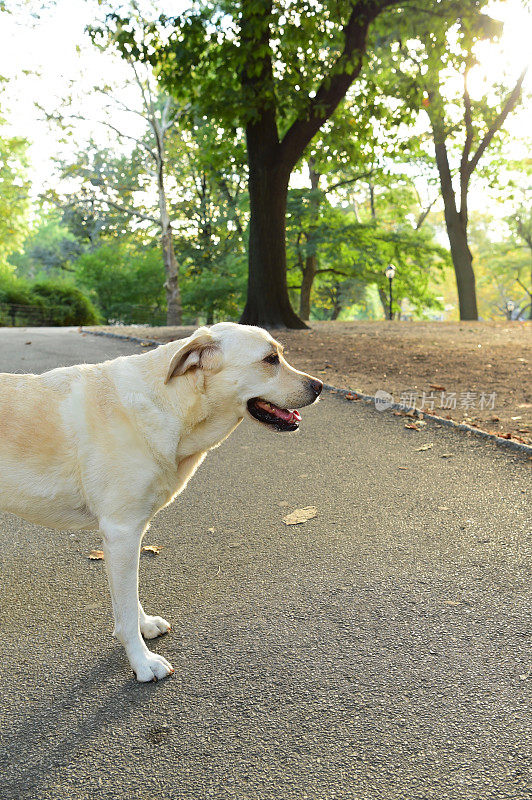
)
(390, 274)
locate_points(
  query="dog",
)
(106, 446)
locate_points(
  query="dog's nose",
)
(316, 386)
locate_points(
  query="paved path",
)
(381, 651)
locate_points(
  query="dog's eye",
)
(272, 359)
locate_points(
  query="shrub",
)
(63, 304)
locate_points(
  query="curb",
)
(509, 444)
(449, 423)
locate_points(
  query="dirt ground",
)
(476, 372)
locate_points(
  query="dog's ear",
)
(200, 351)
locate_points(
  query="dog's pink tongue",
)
(282, 413)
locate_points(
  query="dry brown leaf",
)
(96, 555)
(300, 515)
(411, 426)
(350, 396)
(150, 549)
(437, 388)
(425, 447)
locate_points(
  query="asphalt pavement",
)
(380, 651)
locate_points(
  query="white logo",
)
(383, 400)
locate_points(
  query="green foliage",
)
(125, 281)
(47, 251)
(13, 193)
(43, 303)
(354, 249)
(215, 291)
(63, 304)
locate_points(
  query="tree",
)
(161, 115)
(416, 68)
(522, 222)
(48, 251)
(14, 188)
(280, 72)
(124, 279)
(354, 243)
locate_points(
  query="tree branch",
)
(464, 161)
(131, 211)
(511, 102)
(523, 286)
(424, 214)
(348, 181)
(335, 85)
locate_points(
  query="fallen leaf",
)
(402, 468)
(447, 455)
(150, 549)
(27, 342)
(211, 530)
(350, 396)
(452, 602)
(398, 413)
(96, 555)
(145, 344)
(300, 515)
(437, 388)
(495, 419)
(425, 447)
(411, 426)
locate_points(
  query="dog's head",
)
(244, 366)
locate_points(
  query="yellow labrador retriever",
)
(108, 445)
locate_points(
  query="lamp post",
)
(510, 307)
(390, 274)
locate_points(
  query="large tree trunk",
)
(268, 303)
(173, 295)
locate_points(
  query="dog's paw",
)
(151, 627)
(152, 667)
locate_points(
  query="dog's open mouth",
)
(269, 414)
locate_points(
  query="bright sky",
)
(58, 50)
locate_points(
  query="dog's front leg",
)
(121, 547)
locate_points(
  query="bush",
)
(126, 282)
(43, 303)
(63, 304)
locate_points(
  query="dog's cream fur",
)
(108, 445)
